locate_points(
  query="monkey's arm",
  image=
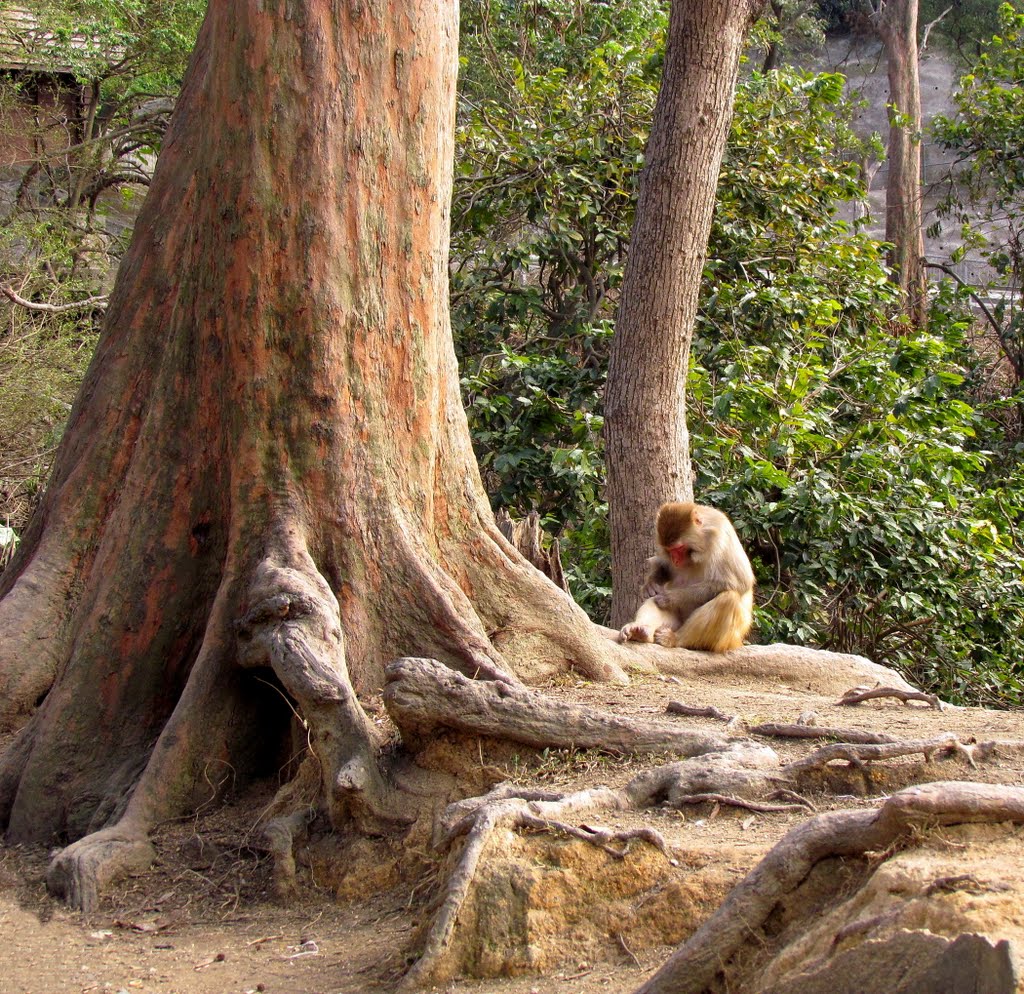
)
(659, 572)
(683, 598)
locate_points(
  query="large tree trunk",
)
(648, 451)
(267, 477)
(896, 23)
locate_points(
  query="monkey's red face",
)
(679, 554)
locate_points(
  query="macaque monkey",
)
(699, 588)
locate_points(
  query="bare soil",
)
(204, 921)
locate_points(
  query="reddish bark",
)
(648, 453)
(267, 475)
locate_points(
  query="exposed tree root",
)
(294, 627)
(80, 873)
(291, 811)
(788, 665)
(422, 696)
(859, 755)
(506, 808)
(742, 770)
(859, 694)
(12, 762)
(280, 834)
(604, 838)
(478, 820)
(694, 967)
(855, 735)
(450, 626)
(763, 807)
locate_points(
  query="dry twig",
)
(858, 694)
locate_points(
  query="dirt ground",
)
(203, 920)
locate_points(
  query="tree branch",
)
(96, 303)
(928, 28)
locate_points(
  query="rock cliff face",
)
(862, 62)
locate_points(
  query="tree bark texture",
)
(647, 442)
(267, 487)
(425, 698)
(896, 23)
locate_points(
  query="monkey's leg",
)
(649, 619)
(717, 626)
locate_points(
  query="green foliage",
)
(785, 28)
(128, 59)
(845, 455)
(42, 362)
(96, 39)
(554, 108)
(988, 202)
(837, 15)
(989, 126)
(963, 26)
(88, 123)
(838, 438)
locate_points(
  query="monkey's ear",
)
(697, 518)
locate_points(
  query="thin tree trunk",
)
(896, 23)
(648, 452)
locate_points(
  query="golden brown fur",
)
(700, 587)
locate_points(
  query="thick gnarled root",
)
(740, 768)
(423, 696)
(294, 627)
(81, 873)
(478, 819)
(280, 835)
(696, 964)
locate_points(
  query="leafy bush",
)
(987, 201)
(839, 439)
(553, 116)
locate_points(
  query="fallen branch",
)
(96, 303)
(858, 694)
(689, 711)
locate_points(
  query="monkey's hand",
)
(663, 601)
(658, 574)
(634, 632)
(666, 636)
